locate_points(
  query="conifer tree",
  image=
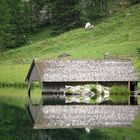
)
(65, 14)
(5, 26)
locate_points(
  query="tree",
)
(135, 1)
(65, 14)
(5, 26)
(18, 18)
(94, 9)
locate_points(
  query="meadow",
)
(118, 36)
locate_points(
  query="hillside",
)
(118, 35)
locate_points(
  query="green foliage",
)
(13, 75)
(119, 99)
(93, 88)
(94, 10)
(65, 15)
(135, 1)
(119, 90)
(5, 26)
(69, 92)
(138, 53)
(18, 19)
(80, 44)
(119, 94)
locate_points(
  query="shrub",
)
(93, 88)
(119, 90)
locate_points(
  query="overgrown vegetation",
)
(93, 88)
(68, 92)
(119, 95)
(119, 90)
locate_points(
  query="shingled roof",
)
(85, 70)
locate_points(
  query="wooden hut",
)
(54, 75)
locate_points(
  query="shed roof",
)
(85, 70)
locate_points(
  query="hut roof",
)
(85, 70)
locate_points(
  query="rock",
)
(86, 99)
(63, 55)
(106, 94)
(75, 99)
(86, 89)
(83, 94)
(89, 26)
(99, 99)
(87, 130)
(128, 14)
(99, 88)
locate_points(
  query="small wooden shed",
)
(54, 75)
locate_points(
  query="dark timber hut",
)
(54, 75)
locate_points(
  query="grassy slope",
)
(118, 35)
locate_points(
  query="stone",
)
(87, 130)
(83, 94)
(63, 55)
(89, 26)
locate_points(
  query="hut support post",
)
(133, 96)
(128, 85)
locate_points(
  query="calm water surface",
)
(15, 123)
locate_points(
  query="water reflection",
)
(15, 124)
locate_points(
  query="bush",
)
(93, 88)
(119, 90)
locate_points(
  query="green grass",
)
(93, 88)
(119, 90)
(119, 94)
(10, 95)
(13, 74)
(118, 35)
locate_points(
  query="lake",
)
(15, 123)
